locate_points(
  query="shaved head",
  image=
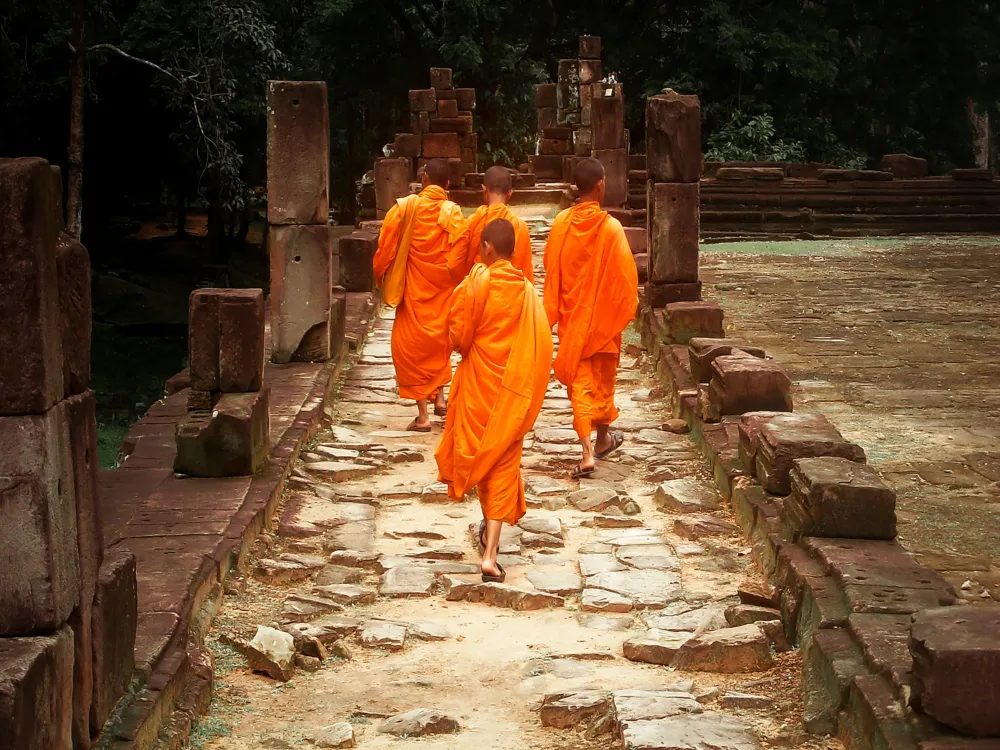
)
(438, 173)
(498, 180)
(587, 174)
(500, 234)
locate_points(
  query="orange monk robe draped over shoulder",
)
(591, 293)
(467, 249)
(499, 327)
(420, 348)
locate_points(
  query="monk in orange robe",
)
(411, 266)
(591, 293)
(498, 186)
(499, 326)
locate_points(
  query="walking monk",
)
(591, 292)
(498, 325)
(411, 266)
(497, 189)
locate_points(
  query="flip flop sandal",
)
(440, 412)
(487, 578)
(414, 427)
(580, 473)
(482, 533)
(617, 438)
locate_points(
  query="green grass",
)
(110, 433)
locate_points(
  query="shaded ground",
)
(897, 341)
(489, 666)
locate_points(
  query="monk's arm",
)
(461, 254)
(457, 316)
(388, 242)
(523, 251)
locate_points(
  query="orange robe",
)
(591, 292)
(466, 251)
(499, 327)
(421, 352)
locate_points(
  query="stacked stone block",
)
(673, 158)
(54, 688)
(303, 265)
(225, 432)
(441, 127)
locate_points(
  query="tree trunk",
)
(979, 120)
(78, 72)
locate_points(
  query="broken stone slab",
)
(608, 623)
(439, 553)
(566, 710)
(287, 571)
(345, 594)
(745, 614)
(437, 567)
(646, 705)
(231, 440)
(531, 540)
(543, 486)
(687, 495)
(703, 351)
(592, 564)
(327, 630)
(648, 557)
(838, 497)
(648, 589)
(427, 631)
(594, 499)
(435, 493)
(560, 582)
(407, 581)
(336, 735)
(503, 595)
(302, 608)
(745, 700)
(704, 731)
(341, 471)
(539, 524)
(630, 537)
(273, 652)
(711, 617)
(556, 435)
(381, 634)
(695, 527)
(600, 600)
(601, 521)
(655, 647)
(352, 558)
(727, 651)
(782, 440)
(956, 667)
(420, 722)
(36, 682)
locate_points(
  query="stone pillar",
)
(392, 181)
(298, 177)
(673, 156)
(50, 530)
(608, 136)
(225, 432)
(357, 252)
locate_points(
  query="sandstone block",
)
(441, 146)
(241, 340)
(406, 144)
(590, 46)
(554, 146)
(31, 375)
(547, 167)
(419, 722)
(80, 623)
(338, 321)
(201, 400)
(615, 163)
(441, 78)
(688, 320)
(591, 71)
(956, 667)
(392, 181)
(298, 152)
(673, 137)
(656, 647)
(749, 427)
(40, 574)
(782, 440)
(636, 237)
(837, 497)
(546, 116)
(73, 268)
(203, 339)
(742, 383)
(702, 352)
(565, 710)
(423, 100)
(466, 99)
(727, 651)
(973, 175)
(659, 295)
(81, 416)
(113, 628)
(904, 166)
(545, 96)
(301, 292)
(607, 117)
(673, 226)
(357, 251)
(36, 692)
(230, 441)
(447, 108)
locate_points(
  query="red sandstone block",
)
(203, 339)
(81, 415)
(637, 162)
(673, 138)
(201, 400)
(607, 117)
(545, 96)
(546, 118)
(447, 108)
(784, 439)
(590, 46)
(338, 322)
(113, 629)
(904, 166)
(558, 133)
(423, 100)
(554, 146)
(466, 99)
(241, 340)
(750, 424)
(420, 122)
(36, 692)
(40, 577)
(441, 146)
(231, 441)
(73, 268)
(568, 73)
(406, 144)
(742, 383)
(357, 251)
(301, 284)
(956, 667)
(80, 622)
(441, 78)
(659, 295)
(615, 163)
(461, 125)
(392, 181)
(688, 320)
(547, 167)
(636, 239)
(583, 142)
(298, 152)
(590, 71)
(642, 266)
(837, 497)
(703, 351)
(31, 369)
(673, 222)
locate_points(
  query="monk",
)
(591, 294)
(498, 325)
(411, 266)
(497, 189)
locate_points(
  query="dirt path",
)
(381, 560)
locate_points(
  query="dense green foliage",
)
(182, 121)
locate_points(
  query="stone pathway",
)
(631, 613)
